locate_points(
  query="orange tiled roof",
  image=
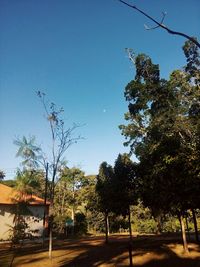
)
(8, 194)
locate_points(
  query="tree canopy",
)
(163, 132)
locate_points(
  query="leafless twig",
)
(161, 25)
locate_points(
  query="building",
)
(8, 205)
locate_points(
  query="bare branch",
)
(161, 25)
(61, 138)
(150, 28)
(153, 28)
(131, 54)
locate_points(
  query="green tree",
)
(94, 214)
(26, 183)
(124, 190)
(163, 134)
(87, 190)
(75, 179)
(124, 184)
(68, 193)
(104, 191)
(29, 151)
(32, 159)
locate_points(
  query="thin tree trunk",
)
(131, 238)
(195, 225)
(106, 226)
(45, 202)
(185, 245)
(63, 200)
(51, 220)
(44, 222)
(73, 218)
(50, 242)
(73, 208)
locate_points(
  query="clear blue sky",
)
(74, 51)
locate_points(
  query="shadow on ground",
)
(148, 251)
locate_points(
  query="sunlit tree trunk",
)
(73, 209)
(50, 232)
(50, 242)
(106, 227)
(187, 226)
(185, 245)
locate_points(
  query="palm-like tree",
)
(27, 183)
(28, 151)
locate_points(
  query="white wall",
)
(6, 220)
(35, 221)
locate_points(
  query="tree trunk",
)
(45, 202)
(51, 221)
(73, 217)
(106, 227)
(44, 223)
(130, 238)
(188, 230)
(195, 225)
(158, 220)
(50, 242)
(185, 245)
(73, 209)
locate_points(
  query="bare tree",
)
(33, 156)
(160, 24)
(61, 140)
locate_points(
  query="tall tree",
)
(124, 190)
(124, 184)
(61, 139)
(71, 180)
(163, 134)
(104, 191)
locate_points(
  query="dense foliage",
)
(163, 132)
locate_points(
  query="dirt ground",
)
(148, 251)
